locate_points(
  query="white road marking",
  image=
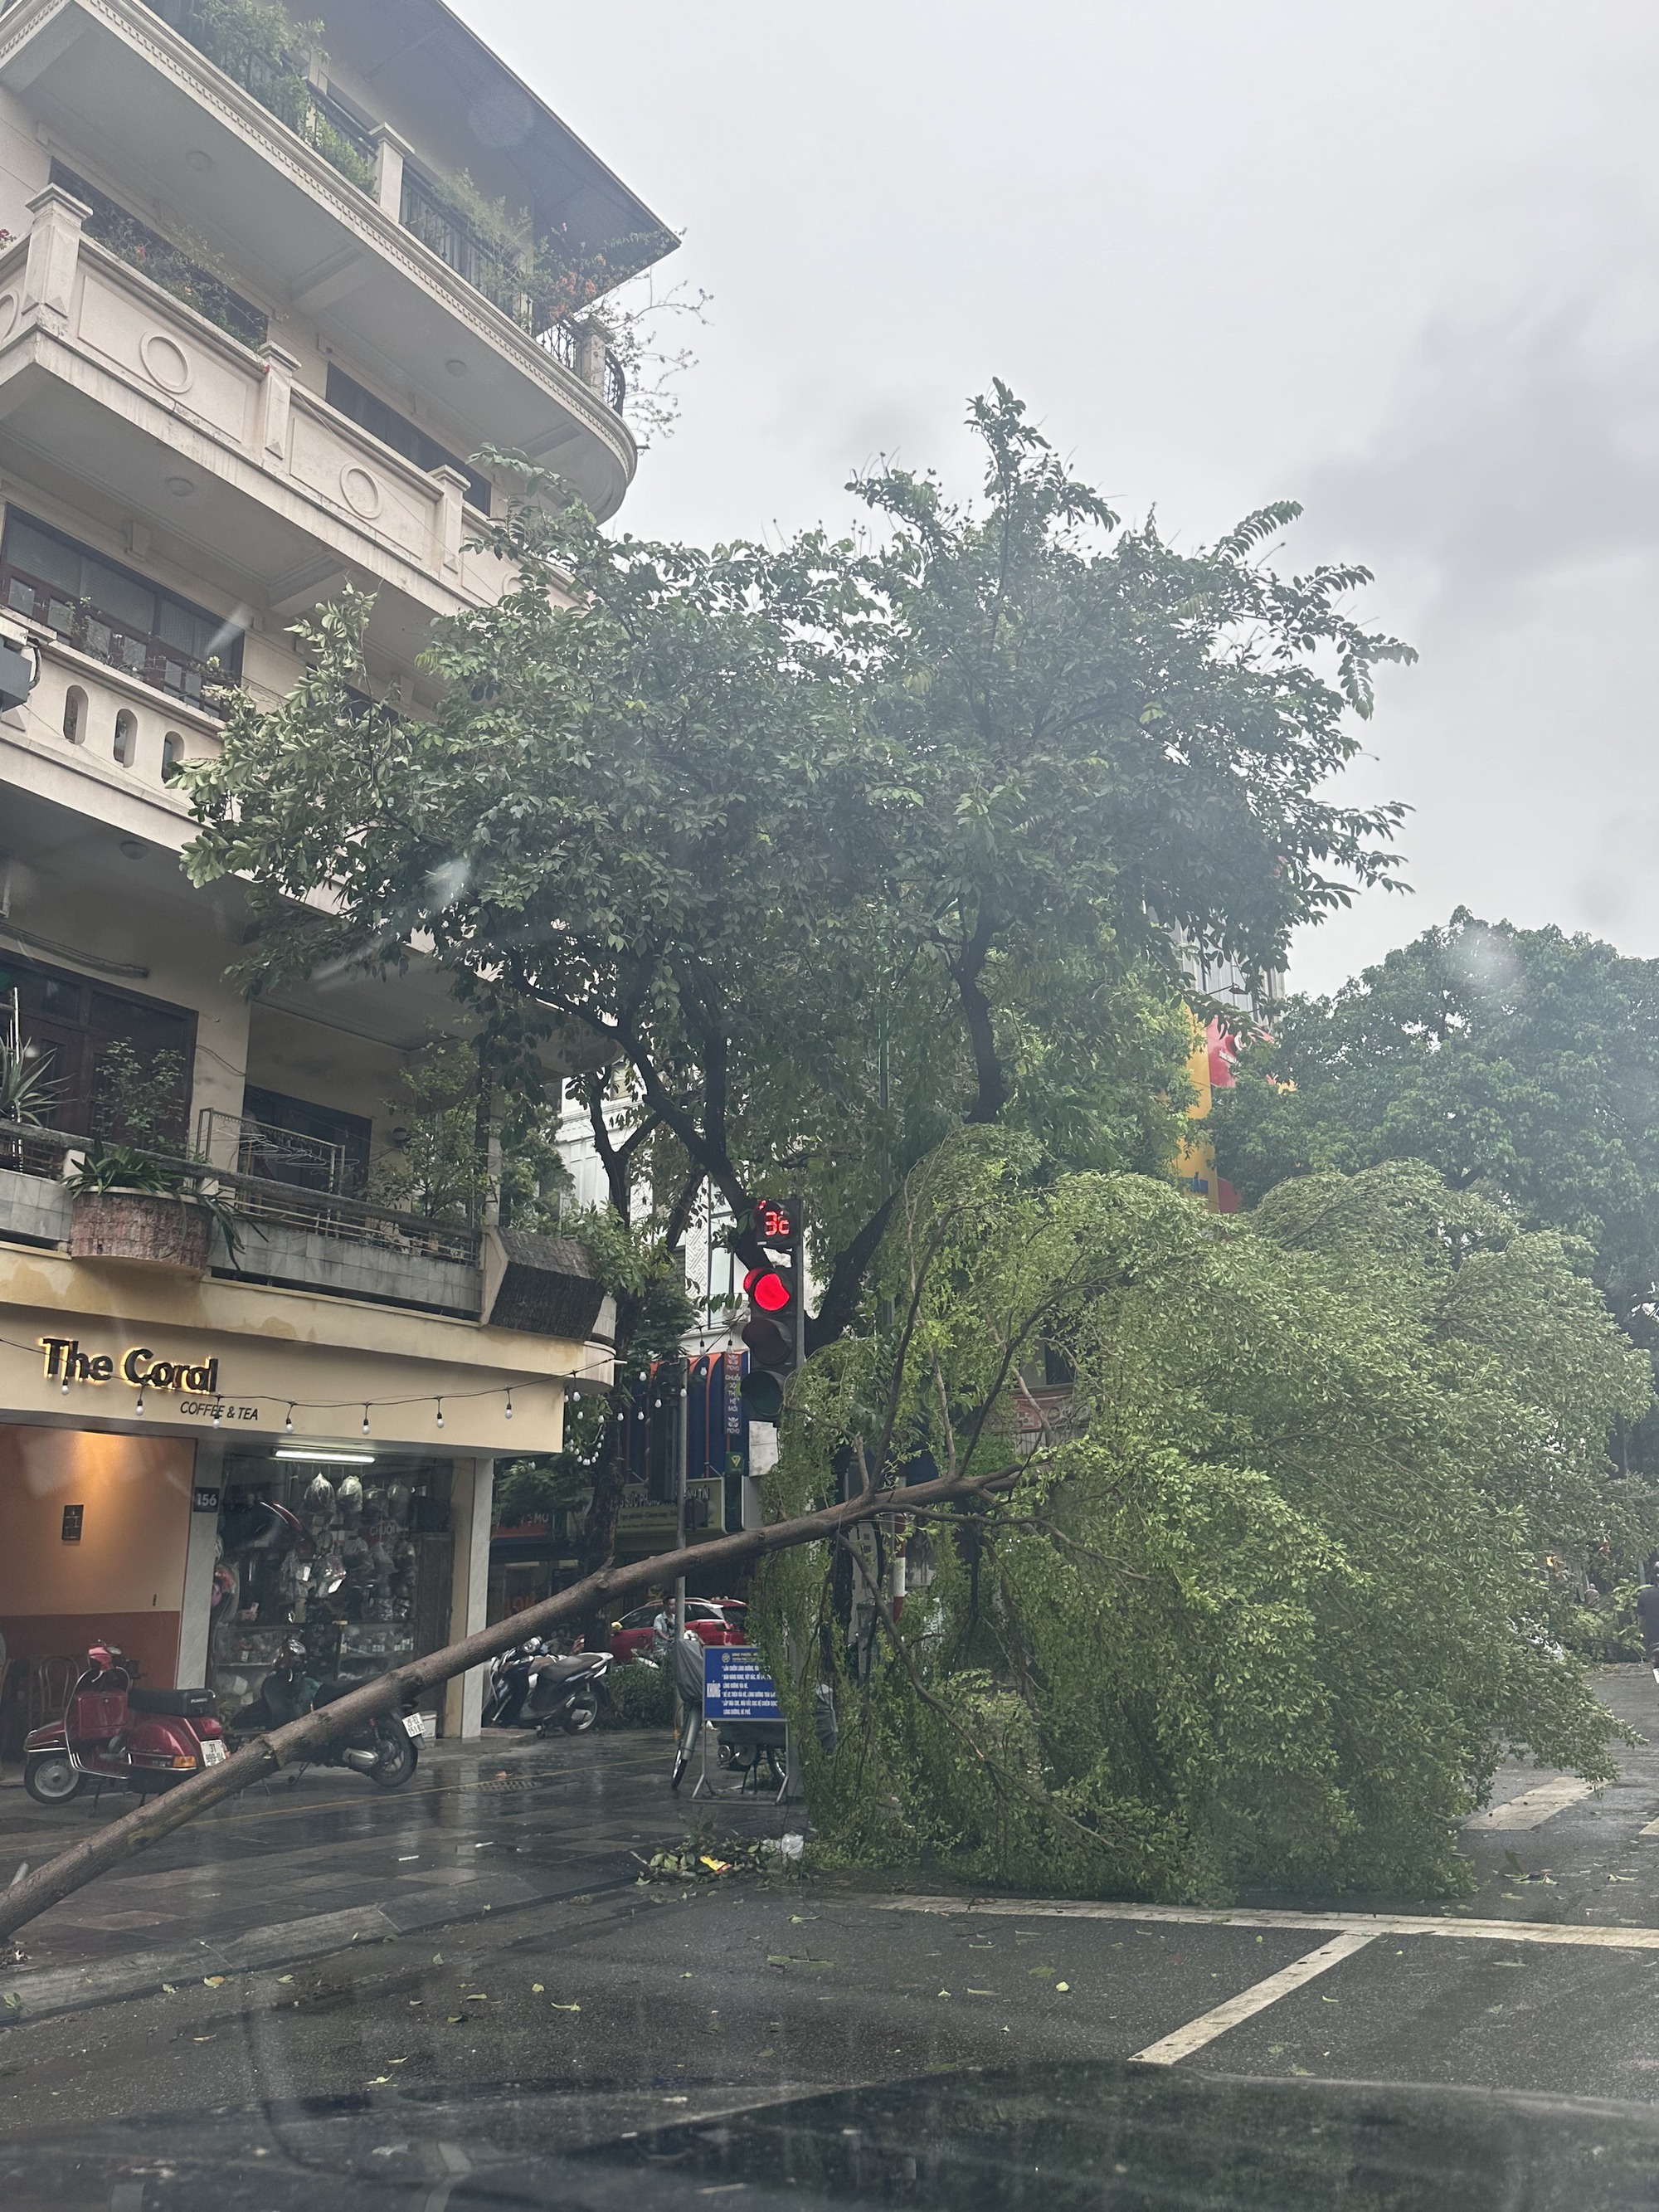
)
(1205, 2029)
(1651, 1829)
(1533, 1807)
(1366, 1923)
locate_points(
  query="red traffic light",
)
(770, 1289)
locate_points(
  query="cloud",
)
(1521, 439)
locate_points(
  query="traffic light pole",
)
(682, 1449)
(798, 1264)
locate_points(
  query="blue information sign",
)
(734, 1686)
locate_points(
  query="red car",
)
(716, 1620)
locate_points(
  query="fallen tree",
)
(294, 1744)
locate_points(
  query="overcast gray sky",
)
(1400, 262)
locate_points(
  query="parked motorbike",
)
(509, 1684)
(387, 1749)
(112, 1731)
(531, 1686)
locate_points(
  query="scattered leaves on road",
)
(214, 1981)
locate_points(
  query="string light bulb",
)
(507, 1413)
(365, 1420)
(63, 1387)
(138, 1402)
(441, 1413)
(289, 1423)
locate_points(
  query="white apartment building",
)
(256, 319)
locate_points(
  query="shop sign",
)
(641, 1521)
(194, 1382)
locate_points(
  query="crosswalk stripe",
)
(1205, 2028)
(1369, 1923)
(1533, 1807)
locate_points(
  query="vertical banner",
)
(733, 1393)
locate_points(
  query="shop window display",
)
(356, 1558)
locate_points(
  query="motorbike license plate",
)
(213, 1750)
(415, 1725)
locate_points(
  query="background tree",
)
(835, 852)
(1522, 1064)
(1268, 1603)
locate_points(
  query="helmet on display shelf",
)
(398, 1496)
(320, 1500)
(349, 1497)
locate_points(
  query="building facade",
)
(260, 309)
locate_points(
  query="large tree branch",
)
(616, 1160)
(302, 1739)
(847, 1272)
(966, 969)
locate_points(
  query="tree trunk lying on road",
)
(299, 1740)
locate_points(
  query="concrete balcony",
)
(111, 76)
(33, 1208)
(394, 1272)
(107, 375)
(286, 1235)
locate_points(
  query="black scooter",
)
(532, 1688)
(386, 1749)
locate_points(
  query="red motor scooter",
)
(114, 1732)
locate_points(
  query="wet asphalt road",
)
(602, 2007)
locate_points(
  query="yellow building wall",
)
(124, 1578)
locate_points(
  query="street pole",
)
(681, 1447)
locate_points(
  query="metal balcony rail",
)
(498, 277)
(269, 1154)
(281, 83)
(473, 258)
(164, 262)
(559, 340)
(28, 1149)
(350, 1220)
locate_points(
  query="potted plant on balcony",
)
(135, 1193)
(130, 1205)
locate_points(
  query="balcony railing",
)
(261, 1202)
(280, 82)
(268, 1154)
(164, 262)
(456, 241)
(115, 617)
(495, 273)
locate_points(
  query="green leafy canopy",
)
(838, 850)
(1267, 1604)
